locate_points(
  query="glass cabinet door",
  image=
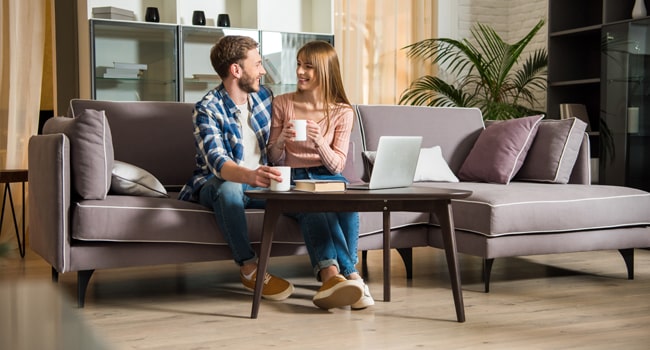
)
(625, 150)
(197, 73)
(133, 61)
(279, 51)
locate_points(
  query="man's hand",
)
(261, 177)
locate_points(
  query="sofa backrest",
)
(156, 136)
(453, 129)
(354, 167)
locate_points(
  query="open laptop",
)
(395, 163)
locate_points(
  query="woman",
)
(321, 100)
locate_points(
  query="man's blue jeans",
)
(331, 238)
(228, 203)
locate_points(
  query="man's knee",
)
(219, 191)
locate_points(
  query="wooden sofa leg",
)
(628, 257)
(83, 277)
(55, 275)
(487, 270)
(407, 257)
(364, 264)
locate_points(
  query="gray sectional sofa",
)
(82, 219)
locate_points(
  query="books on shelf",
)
(109, 12)
(319, 185)
(122, 71)
(127, 65)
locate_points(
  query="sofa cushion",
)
(554, 151)
(528, 207)
(91, 151)
(128, 179)
(433, 167)
(500, 150)
(164, 220)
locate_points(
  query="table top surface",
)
(13, 175)
(404, 193)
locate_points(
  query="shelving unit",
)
(575, 46)
(180, 50)
(626, 102)
(148, 44)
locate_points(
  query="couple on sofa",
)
(237, 135)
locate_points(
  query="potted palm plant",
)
(487, 74)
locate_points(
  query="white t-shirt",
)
(252, 154)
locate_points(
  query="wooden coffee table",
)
(412, 199)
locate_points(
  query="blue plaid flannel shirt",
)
(217, 134)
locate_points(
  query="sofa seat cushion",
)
(163, 220)
(520, 207)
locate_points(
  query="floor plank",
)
(568, 301)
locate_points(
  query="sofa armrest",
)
(581, 173)
(49, 198)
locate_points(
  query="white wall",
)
(512, 19)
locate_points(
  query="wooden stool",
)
(7, 177)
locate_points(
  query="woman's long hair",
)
(322, 56)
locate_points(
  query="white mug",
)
(285, 185)
(300, 125)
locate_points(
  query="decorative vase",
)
(198, 18)
(633, 120)
(223, 20)
(151, 15)
(639, 10)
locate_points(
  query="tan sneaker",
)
(338, 292)
(275, 288)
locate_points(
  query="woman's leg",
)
(344, 228)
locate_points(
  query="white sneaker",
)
(366, 299)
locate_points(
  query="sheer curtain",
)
(22, 38)
(370, 37)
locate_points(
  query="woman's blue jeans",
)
(331, 238)
(228, 202)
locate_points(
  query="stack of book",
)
(122, 70)
(109, 12)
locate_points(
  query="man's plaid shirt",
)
(217, 134)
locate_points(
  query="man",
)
(231, 130)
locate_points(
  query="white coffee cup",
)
(285, 185)
(300, 125)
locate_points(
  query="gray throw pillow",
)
(500, 150)
(128, 179)
(554, 151)
(91, 151)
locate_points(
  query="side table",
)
(7, 177)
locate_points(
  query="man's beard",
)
(247, 83)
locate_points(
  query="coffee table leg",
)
(446, 220)
(271, 215)
(386, 255)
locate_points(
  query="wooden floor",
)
(565, 301)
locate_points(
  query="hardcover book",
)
(319, 185)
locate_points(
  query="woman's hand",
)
(287, 133)
(314, 132)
